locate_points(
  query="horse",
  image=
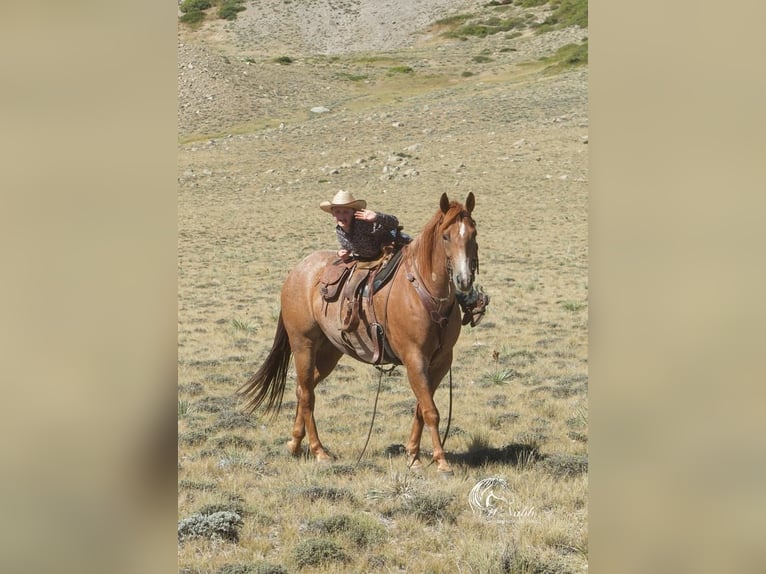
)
(419, 316)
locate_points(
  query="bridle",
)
(434, 305)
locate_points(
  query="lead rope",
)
(374, 410)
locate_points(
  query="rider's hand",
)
(365, 214)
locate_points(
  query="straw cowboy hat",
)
(343, 199)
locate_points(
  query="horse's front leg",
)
(426, 414)
(413, 444)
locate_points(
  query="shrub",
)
(192, 17)
(230, 420)
(515, 559)
(400, 70)
(193, 10)
(210, 404)
(183, 408)
(470, 30)
(234, 506)
(352, 77)
(563, 465)
(572, 13)
(234, 441)
(339, 469)
(257, 568)
(216, 526)
(567, 13)
(575, 54)
(194, 5)
(193, 388)
(325, 492)
(317, 551)
(488, 27)
(192, 438)
(362, 530)
(196, 485)
(500, 377)
(431, 508)
(567, 57)
(453, 20)
(229, 8)
(283, 60)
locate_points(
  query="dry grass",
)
(520, 381)
(248, 213)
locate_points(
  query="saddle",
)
(352, 285)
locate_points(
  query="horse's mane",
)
(422, 246)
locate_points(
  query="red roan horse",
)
(419, 314)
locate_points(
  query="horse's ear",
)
(470, 202)
(444, 203)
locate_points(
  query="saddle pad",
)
(385, 274)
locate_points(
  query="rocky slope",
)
(228, 78)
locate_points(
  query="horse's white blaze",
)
(462, 267)
(462, 229)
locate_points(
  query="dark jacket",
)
(366, 239)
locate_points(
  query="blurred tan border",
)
(678, 156)
(88, 344)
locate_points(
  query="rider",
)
(363, 233)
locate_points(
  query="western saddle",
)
(352, 283)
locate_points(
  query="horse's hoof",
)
(324, 457)
(446, 474)
(415, 467)
(295, 451)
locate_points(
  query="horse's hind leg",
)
(312, 364)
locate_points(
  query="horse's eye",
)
(445, 237)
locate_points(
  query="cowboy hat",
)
(343, 199)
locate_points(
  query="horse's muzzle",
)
(464, 281)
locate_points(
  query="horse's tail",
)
(267, 385)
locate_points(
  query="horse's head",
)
(458, 231)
